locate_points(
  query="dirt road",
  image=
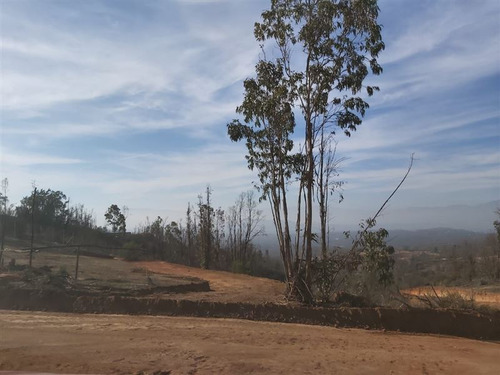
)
(116, 344)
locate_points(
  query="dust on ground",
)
(118, 344)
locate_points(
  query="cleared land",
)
(225, 286)
(100, 273)
(117, 344)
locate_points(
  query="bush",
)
(449, 299)
(132, 251)
(237, 266)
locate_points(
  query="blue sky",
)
(127, 102)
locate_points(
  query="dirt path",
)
(226, 286)
(117, 344)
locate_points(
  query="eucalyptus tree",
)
(268, 124)
(116, 219)
(325, 49)
(3, 212)
(206, 219)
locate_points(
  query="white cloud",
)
(97, 71)
(12, 159)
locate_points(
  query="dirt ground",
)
(117, 344)
(225, 286)
(97, 271)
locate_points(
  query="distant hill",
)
(420, 239)
(477, 218)
(423, 238)
(429, 238)
(404, 239)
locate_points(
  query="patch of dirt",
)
(225, 286)
(115, 344)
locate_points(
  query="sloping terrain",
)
(225, 286)
(189, 344)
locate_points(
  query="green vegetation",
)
(210, 237)
(324, 50)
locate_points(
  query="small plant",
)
(455, 300)
(330, 273)
(60, 279)
(448, 299)
(237, 266)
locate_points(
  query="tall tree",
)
(325, 49)
(206, 215)
(190, 236)
(496, 224)
(3, 212)
(268, 124)
(244, 223)
(116, 219)
(51, 207)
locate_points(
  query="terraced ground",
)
(120, 344)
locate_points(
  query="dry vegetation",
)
(115, 344)
(472, 297)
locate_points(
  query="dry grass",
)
(100, 272)
(459, 297)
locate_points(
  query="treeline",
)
(208, 237)
(48, 216)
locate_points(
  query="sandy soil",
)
(117, 344)
(225, 286)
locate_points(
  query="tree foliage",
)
(325, 49)
(206, 219)
(116, 219)
(51, 207)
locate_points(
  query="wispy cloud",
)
(12, 159)
(127, 102)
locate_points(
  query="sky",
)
(126, 102)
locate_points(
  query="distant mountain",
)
(430, 238)
(477, 218)
(420, 239)
(449, 225)
(402, 239)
